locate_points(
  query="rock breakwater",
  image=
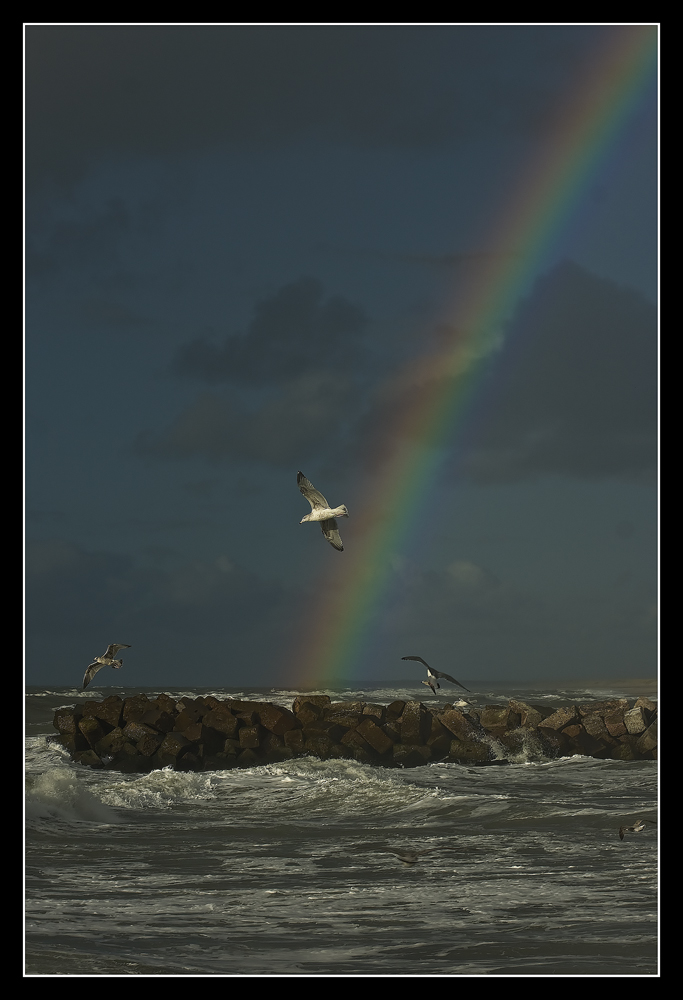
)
(191, 734)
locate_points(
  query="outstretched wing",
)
(448, 677)
(314, 497)
(113, 648)
(90, 673)
(419, 660)
(329, 529)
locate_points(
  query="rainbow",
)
(337, 629)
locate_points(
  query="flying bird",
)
(637, 827)
(322, 512)
(104, 661)
(433, 675)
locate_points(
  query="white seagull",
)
(322, 512)
(104, 661)
(637, 827)
(433, 675)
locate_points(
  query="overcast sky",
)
(239, 240)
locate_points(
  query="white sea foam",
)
(60, 796)
(163, 789)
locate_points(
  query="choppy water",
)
(285, 870)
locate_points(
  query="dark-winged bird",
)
(637, 827)
(105, 661)
(434, 675)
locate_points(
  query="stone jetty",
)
(193, 734)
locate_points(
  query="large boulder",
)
(146, 739)
(171, 749)
(320, 701)
(469, 751)
(92, 730)
(108, 711)
(374, 735)
(65, 721)
(221, 720)
(405, 755)
(277, 720)
(635, 720)
(495, 718)
(647, 743)
(603, 707)
(330, 730)
(529, 716)
(378, 712)
(343, 708)
(294, 739)
(460, 725)
(135, 707)
(614, 721)
(415, 723)
(559, 719)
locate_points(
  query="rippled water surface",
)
(287, 869)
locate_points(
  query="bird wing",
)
(90, 673)
(113, 648)
(314, 497)
(449, 678)
(419, 660)
(329, 530)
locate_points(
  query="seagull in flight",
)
(636, 828)
(104, 661)
(434, 675)
(322, 512)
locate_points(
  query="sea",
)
(288, 870)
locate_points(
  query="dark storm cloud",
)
(94, 90)
(305, 416)
(302, 361)
(442, 261)
(463, 596)
(93, 240)
(574, 389)
(294, 332)
(66, 585)
(104, 312)
(70, 589)
(482, 624)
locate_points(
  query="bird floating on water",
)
(434, 675)
(637, 827)
(322, 512)
(411, 857)
(105, 661)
